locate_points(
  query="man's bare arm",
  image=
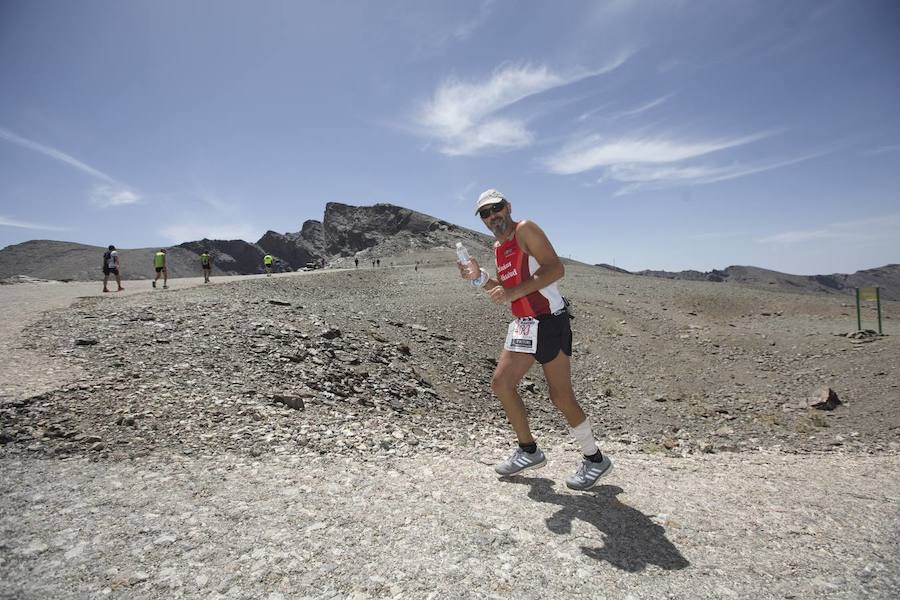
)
(533, 241)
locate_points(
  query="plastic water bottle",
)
(462, 256)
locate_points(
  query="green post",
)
(878, 303)
(858, 314)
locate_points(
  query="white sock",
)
(585, 438)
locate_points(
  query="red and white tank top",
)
(513, 267)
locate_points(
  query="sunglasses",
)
(493, 209)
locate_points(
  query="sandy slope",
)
(23, 372)
(293, 523)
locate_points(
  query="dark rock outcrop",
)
(350, 229)
(297, 249)
(234, 257)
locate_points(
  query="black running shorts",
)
(107, 271)
(554, 334)
(159, 269)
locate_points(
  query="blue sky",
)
(664, 135)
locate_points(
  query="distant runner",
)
(528, 269)
(111, 266)
(206, 264)
(159, 263)
(267, 264)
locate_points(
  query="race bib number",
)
(522, 336)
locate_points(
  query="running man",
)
(528, 269)
(267, 264)
(111, 266)
(159, 263)
(206, 263)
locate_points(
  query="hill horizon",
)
(370, 233)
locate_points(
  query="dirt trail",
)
(724, 526)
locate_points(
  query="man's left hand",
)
(499, 296)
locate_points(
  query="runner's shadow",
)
(632, 541)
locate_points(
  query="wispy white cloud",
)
(642, 177)
(7, 222)
(642, 108)
(592, 153)
(875, 228)
(465, 30)
(466, 194)
(110, 193)
(642, 163)
(588, 114)
(104, 195)
(54, 153)
(883, 149)
(463, 116)
(621, 114)
(222, 231)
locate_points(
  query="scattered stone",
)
(294, 402)
(825, 399)
(331, 333)
(34, 548)
(86, 342)
(280, 302)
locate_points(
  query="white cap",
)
(489, 197)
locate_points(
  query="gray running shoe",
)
(589, 473)
(519, 461)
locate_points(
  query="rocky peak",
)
(349, 229)
(231, 256)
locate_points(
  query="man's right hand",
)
(469, 271)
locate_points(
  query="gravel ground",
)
(758, 525)
(330, 435)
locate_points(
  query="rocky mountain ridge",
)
(383, 231)
(371, 232)
(886, 277)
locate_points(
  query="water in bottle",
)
(462, 256)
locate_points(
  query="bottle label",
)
(482, 279)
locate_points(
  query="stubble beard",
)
(501, 227)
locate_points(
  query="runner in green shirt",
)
(267, 263)
(159, 263)
(206, 263)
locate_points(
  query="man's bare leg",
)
(595, 465)
(511, 367)
(559, 378)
